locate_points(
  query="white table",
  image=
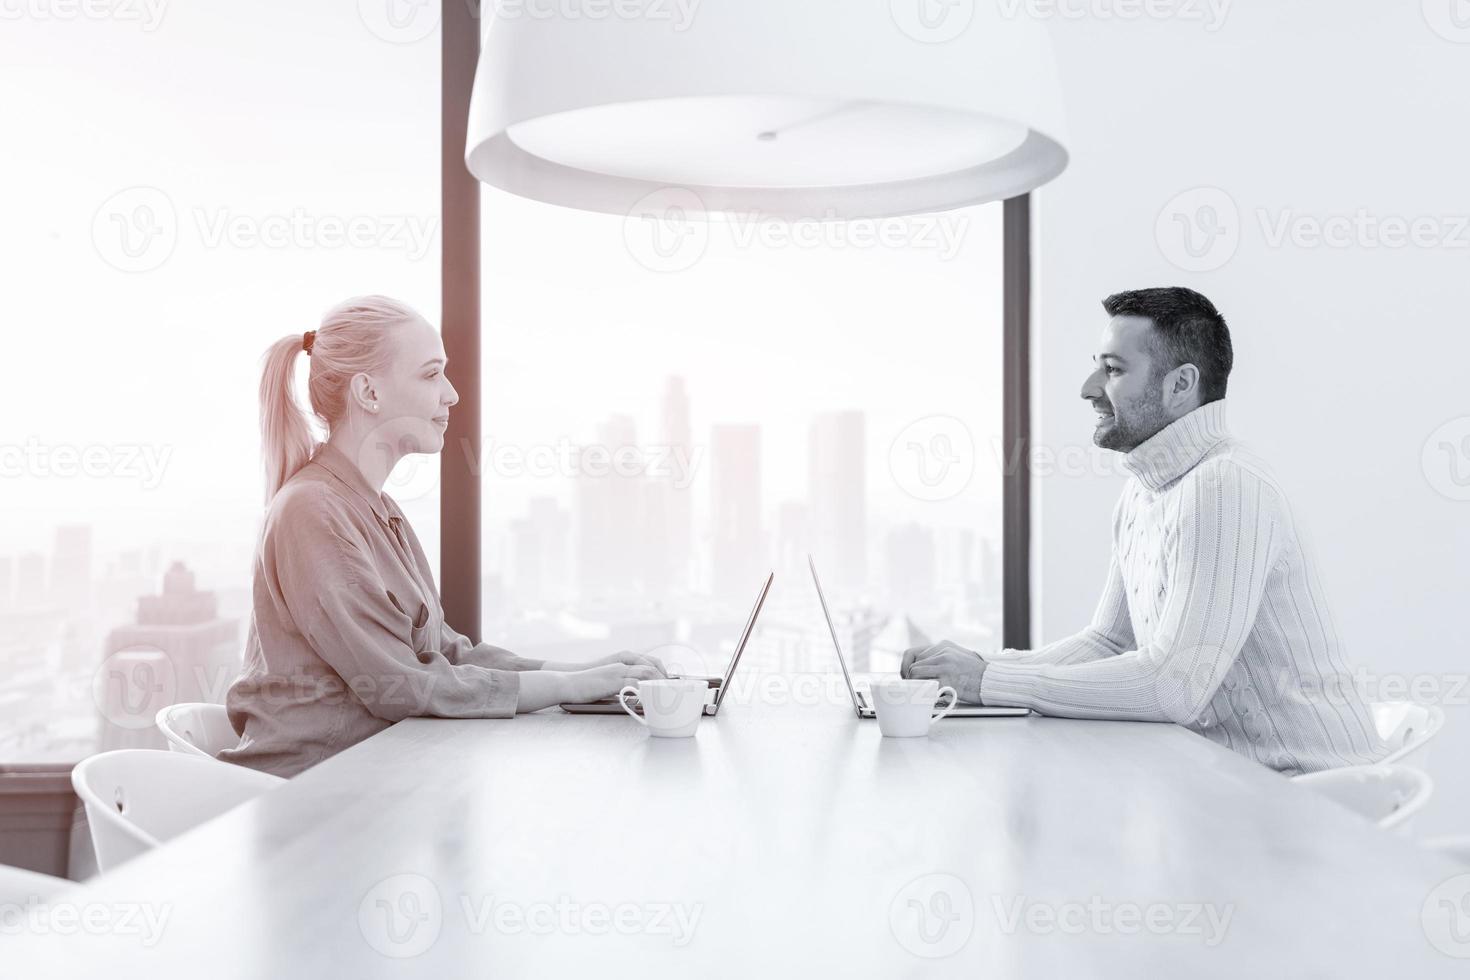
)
(804, 842)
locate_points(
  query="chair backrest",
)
(1455, 846)
(138, 798)
(1407, 727)
(197, 728)
(19, 886)
(1387, 795)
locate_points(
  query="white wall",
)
(1347, 358)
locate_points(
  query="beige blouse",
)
(347, 635)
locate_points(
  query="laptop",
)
(862, 701)
(719, 685)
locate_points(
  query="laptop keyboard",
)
(867, 701)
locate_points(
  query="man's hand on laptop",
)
(948, 663)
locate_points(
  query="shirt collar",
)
(335, 462)
(1178, 447)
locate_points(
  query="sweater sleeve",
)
(1226, 545)
(1110, 632)
(331, 590)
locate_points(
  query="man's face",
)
(1126, 388)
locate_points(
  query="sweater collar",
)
(335, 462)
(1178, 447)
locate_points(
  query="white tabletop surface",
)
(780, 840)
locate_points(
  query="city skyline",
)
(636, 534)
(656, 561)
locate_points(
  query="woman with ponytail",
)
(347, 634)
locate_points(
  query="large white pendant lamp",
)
(785, 108)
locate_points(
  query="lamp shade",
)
(789, 108)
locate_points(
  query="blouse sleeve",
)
(320, 572)
(458, 649)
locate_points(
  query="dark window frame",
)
(459, 501)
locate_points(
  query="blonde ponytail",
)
(354, 337)
(286, 442)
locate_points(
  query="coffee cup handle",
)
(623, 700)
(954, 699)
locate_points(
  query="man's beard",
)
(1126, 430)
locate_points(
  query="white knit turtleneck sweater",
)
(1212, 616)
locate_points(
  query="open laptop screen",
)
(755, 612)
(836, 643)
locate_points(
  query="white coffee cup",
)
(906, 707)
(671, 708)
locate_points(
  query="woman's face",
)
(414, 394)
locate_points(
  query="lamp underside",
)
(766, 142)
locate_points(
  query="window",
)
(160, 233)
(673, 409)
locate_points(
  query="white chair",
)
(1387, 795)
(197, 728)
(19, 886)
(1455, 846)
(1407, 727)
(138, 798)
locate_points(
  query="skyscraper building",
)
(678, 505)
(651, 559)
(990, 580)
(119, 586)
(540, 547)
(837, 492)
(71, 567)
(737, 550)
(955, 550)
(911, 567)
(178, 650)
(30, 581)
(609, 509)
(793, 542)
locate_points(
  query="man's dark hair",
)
(1187, 330)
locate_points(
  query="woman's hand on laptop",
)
(606, 680)
(948, 663)
(634, 659)
(543, 688)
(624, 658)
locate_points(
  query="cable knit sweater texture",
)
(1212, 617)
